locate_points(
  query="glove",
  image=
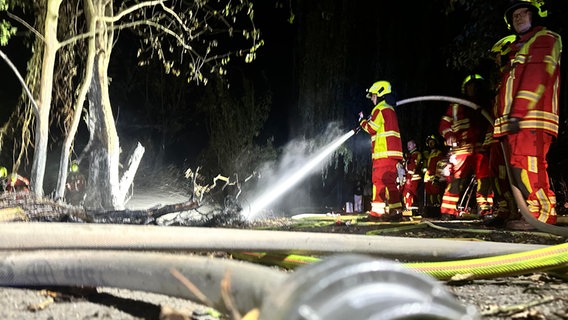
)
(514, 126)
(358, 127)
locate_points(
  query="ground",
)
(537, 295)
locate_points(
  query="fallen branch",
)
(514, 309)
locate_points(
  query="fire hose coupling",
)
(362, 287)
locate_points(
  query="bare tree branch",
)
(21, 79)
(27, 25)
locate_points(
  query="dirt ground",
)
(532, 296)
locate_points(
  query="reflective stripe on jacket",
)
(384, 131)
(464, 125)
(530, 90)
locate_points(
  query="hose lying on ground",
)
(553, 257)
(429, 224)
(344, 280)
(549, 258)
(51, 235)
(62, 264)
(249, 284)
(143, 271)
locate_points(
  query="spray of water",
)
(287, 182)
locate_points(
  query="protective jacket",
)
(465, 129)
(385, 134)
(413, 178)
(533, 99)
(432, 170)
(414, 166)
(386, 146)
(463, 126)
(529, 92)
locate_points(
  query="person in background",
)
(17, 183)
(434, 184)
(413, 166)
(75, 186)
(358, 196)
(482, 96)
(386, 151)
(504, 203)
(3, 177)
(463, 129)
(528, 108)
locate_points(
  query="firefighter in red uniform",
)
(527, 119)
(504, 203)
(484, 192)
(433, 183)
(17, 183)
(386, 144)
(463, 129)
(413, 166)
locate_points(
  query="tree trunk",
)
(78, 109)
(44, 105)
(104, 189)
(105, 151)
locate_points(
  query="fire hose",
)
(39, 254)
(69, 236)
(552, 258)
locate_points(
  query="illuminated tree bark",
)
(44, 103)
(104, 190)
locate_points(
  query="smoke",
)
(281, 184)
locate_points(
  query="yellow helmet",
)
(502, 46)
(469, 78)
(536, 6)
(3, 172)
(74, 166)
(380, 88)
(433, 138)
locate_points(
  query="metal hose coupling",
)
(362, 287)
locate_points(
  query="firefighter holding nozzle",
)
(386, 152)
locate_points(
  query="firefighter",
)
(504, 203)
(463, 130)
(413, 168)
(527, 117)
(3, 177)
(17, 183)
(434, 184)
(386, 144)
(484, 191)
(358, 196)
(75, 186)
